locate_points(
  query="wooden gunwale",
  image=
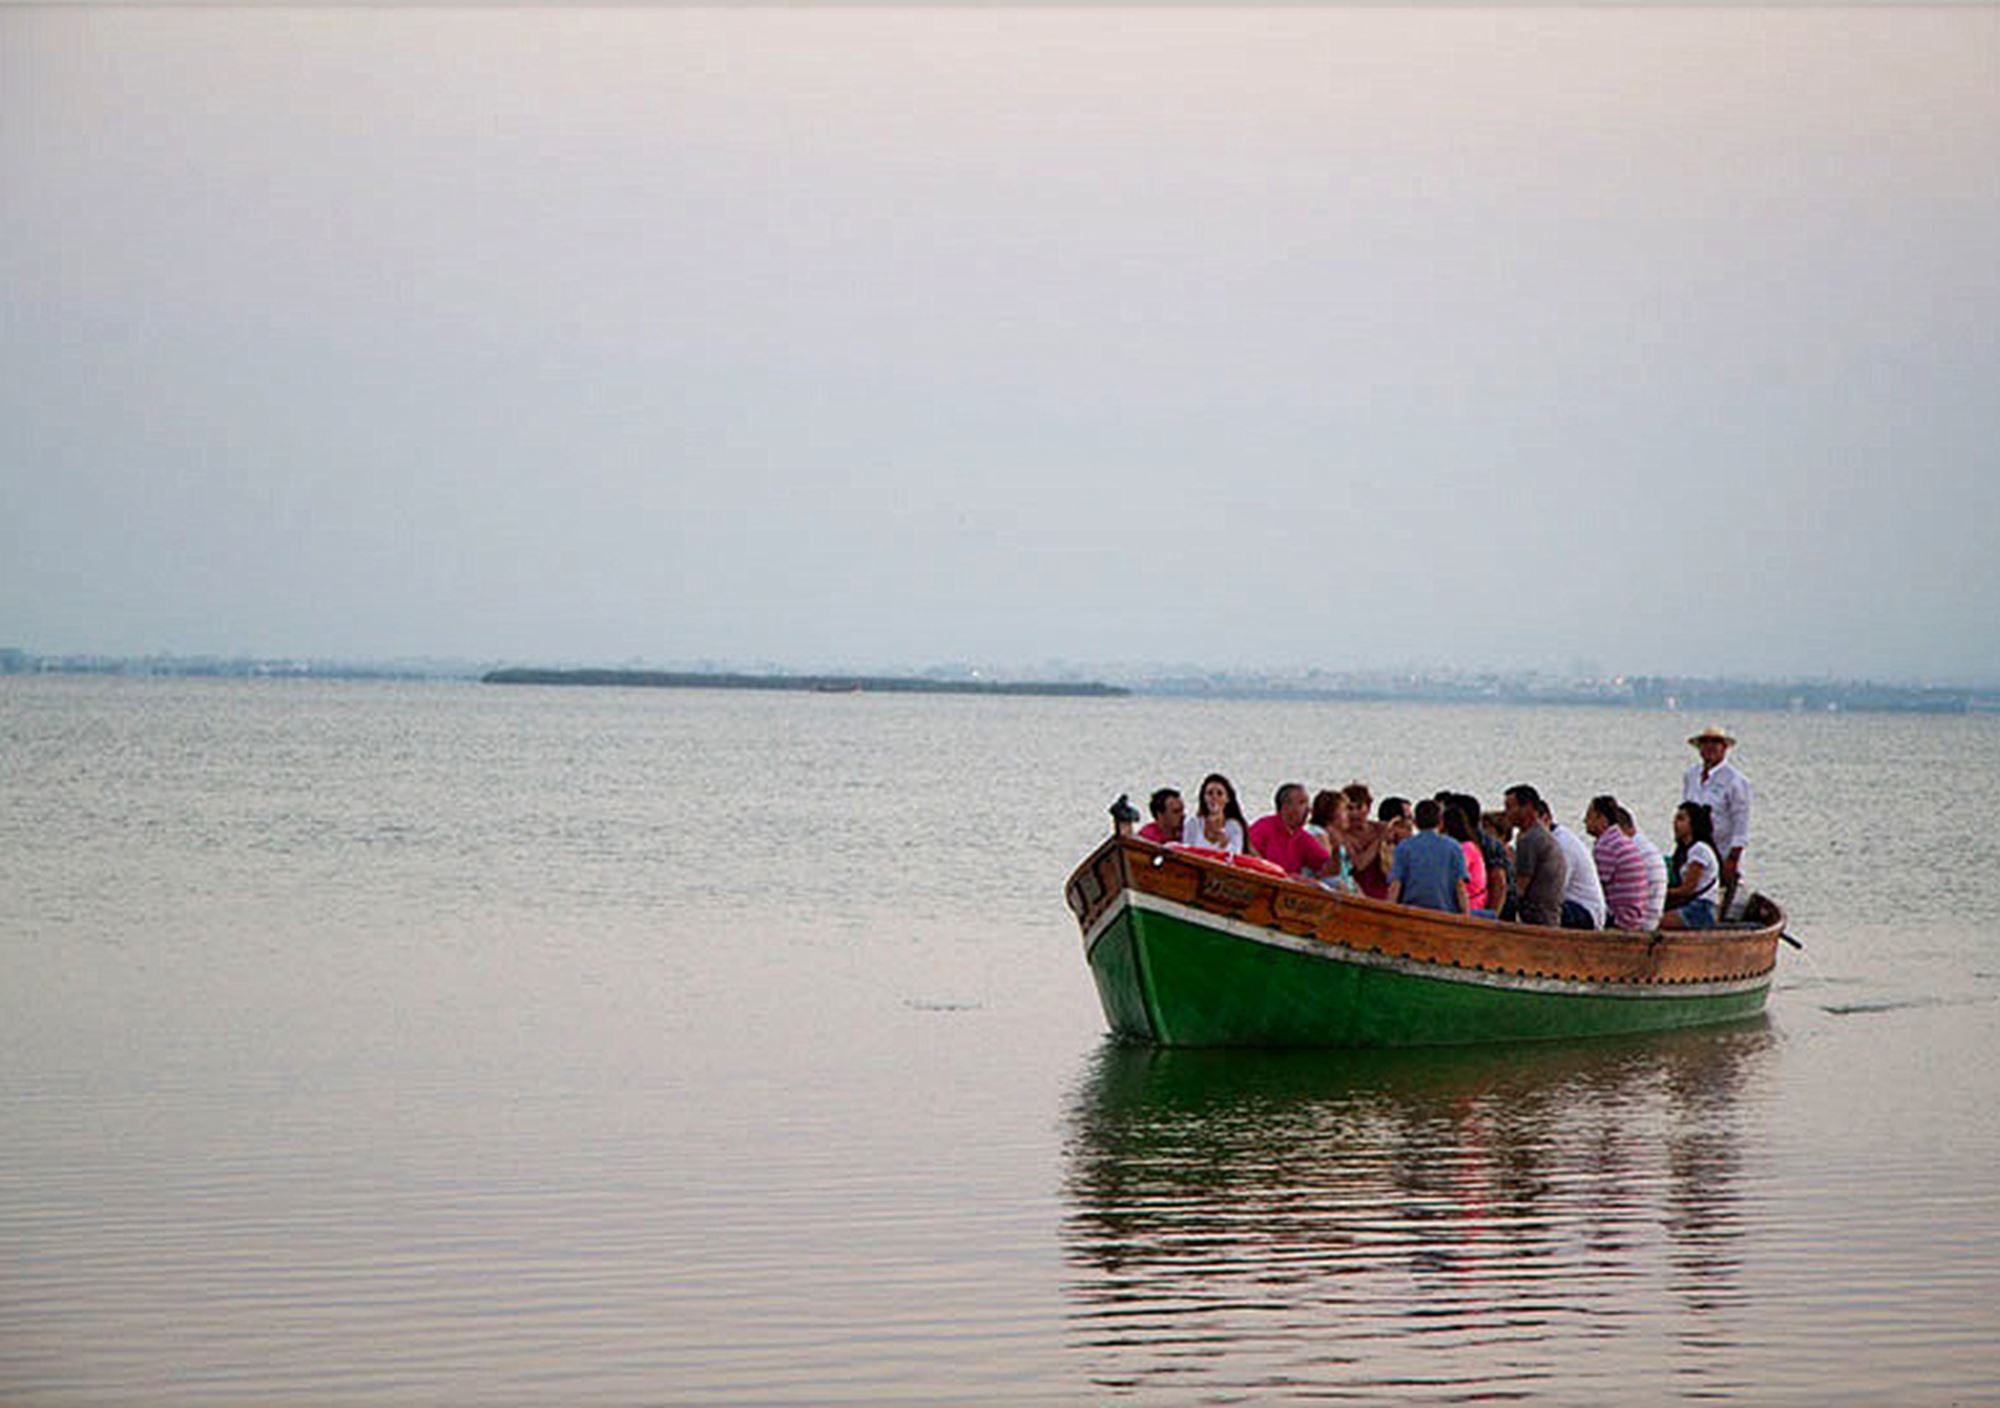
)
(1304, 910)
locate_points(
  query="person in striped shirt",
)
(1621, 867)
(1656, 869)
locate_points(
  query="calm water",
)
(451, 1043)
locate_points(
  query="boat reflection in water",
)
(1464, 1222)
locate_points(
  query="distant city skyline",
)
(866, 338)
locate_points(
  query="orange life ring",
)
(1257, 863)
(1205, 852)
(1242, 860)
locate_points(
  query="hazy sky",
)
(1663, 339)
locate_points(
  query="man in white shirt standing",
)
(1718, 785)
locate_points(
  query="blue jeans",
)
(1575, 916)
(1698, 914)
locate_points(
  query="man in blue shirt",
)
(1429, 870)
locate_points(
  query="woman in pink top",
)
(1455, 826)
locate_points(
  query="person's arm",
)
(1318, 858)
(1739, 830)
(1361, 856)
(1395, 892)
(1464, 900)
(1691, 873)
(1392, 836)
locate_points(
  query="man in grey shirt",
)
(1540, 868)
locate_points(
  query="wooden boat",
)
(1191, 950)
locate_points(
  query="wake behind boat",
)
(1190, 949)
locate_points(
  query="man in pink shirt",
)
(1169, 815)
(1621, 865)
(1282, 839)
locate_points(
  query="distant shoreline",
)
(1706, 696)
(811, 684)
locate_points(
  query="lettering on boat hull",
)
(1227, 892)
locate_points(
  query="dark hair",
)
(1285, 790)
(1358, 794)
(1428, 811)
(1392, 807)
(1624, 818)
(1701, 827)
(1701, 821)
(1455, 825)
(1606, 806)
(1522, 795)
(1466, 806)
(1232, 810)
(1160, 799)
(1324, 803)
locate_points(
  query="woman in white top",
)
(1691, 903)
(1217, 820)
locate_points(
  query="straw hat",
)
(1712, 732)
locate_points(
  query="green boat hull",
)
(1176, 980)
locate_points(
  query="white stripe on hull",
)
(1416, 968)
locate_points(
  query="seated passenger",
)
(1429, 870)
(1492, 855)
(1621, 869)
(1691, 900)
(1455, 827)
(1362, 839)
(1220, 824)
(1656, 870)
(1392, 819)
(1169, 816)
(1327, 825)
(1541, 870)
(1583, 897)
(1496, 841)
(1282, 838)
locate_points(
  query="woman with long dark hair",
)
(1456, 826)
(1217, 821)
(1691, 899)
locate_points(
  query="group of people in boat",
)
(1518, 863)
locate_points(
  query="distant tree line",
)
(818, 684)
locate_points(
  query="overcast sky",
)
(1667, 340)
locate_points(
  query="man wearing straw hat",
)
(1718, 785)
